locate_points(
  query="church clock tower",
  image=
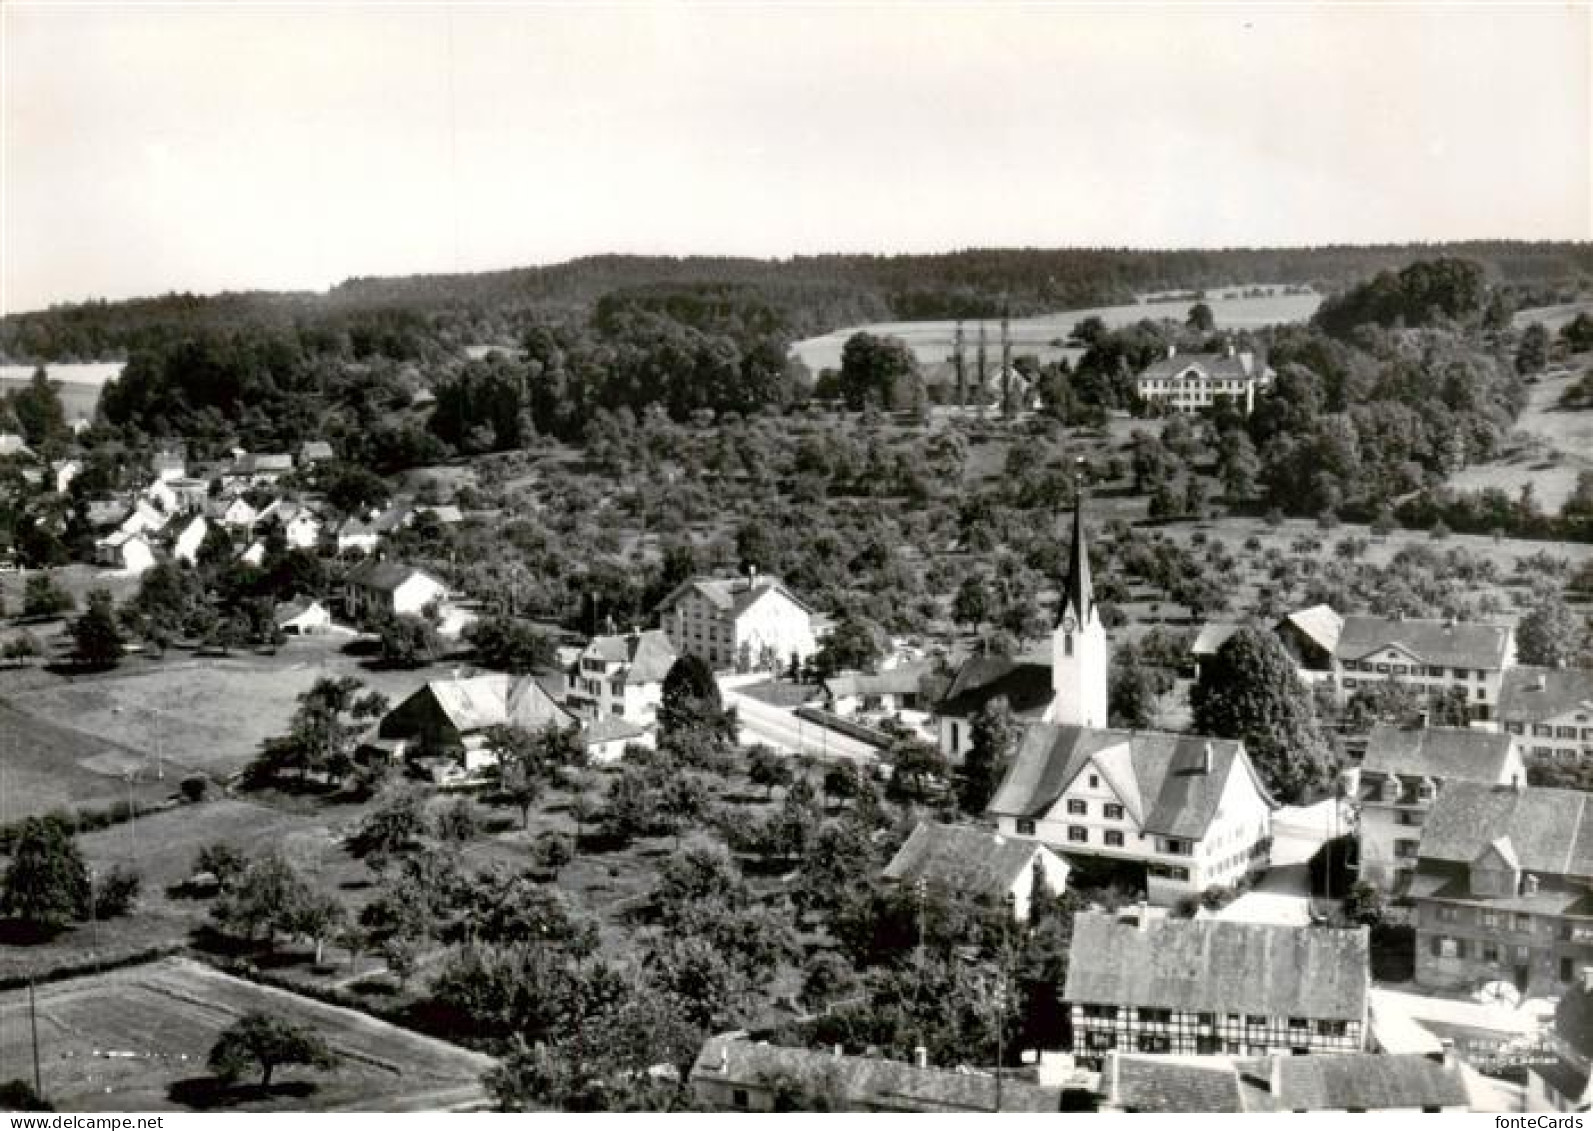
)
(1078, 647)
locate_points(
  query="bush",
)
(115, 895)
(195, 788)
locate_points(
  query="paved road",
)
(779, 728)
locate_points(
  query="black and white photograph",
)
(697, 556)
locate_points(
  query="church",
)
(1192, 811)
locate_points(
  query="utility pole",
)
(33, 1025)
(979, 366)
(1001, 992)
(1006, 363)
(960, 364)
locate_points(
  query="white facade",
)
(1078, 669)
(739, 624)
(186, 548)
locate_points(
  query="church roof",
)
(1077, 592)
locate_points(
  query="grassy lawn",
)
(137, 1039)
(1548, 448)
(44, 766)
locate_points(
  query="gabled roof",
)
(292, 610)
(1529, 694)
(963, 859)
(904, 679)
(1077, 592)
(1177, 780)
(1364, 1081)
(315, 449)
(386, 576)
(253, 463)
(732, 595)
(648, 655)
(13, 445)
(1025, 684)
(867, 1081)
(1211, 637)
(610, 728)
(1550, 830)
(1220, 966)
(1435, 642)
(1320, 623)
(1445, 753)
(493, 700)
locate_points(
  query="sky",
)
(150, 149)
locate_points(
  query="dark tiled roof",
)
(1077, 592)
(1025, 684)
(1436, 642)
(1548, 829)
(1218, 966)
(1153, 1084)
(1368, 1081)
(649, 654)
(903, 679)
(385, 576)
(1522, 700)
(1446, 753)
(1566, 1078)
(732, 594)
(963, 859)
(1172, 783)
(1210, 365)
(867, 1082)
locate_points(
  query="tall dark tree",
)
(1549, 634)
(47, 883)
(97, 634)
(993, 736)
(1250, 691)
(264, 1040)
(690, 702)
(871, 366)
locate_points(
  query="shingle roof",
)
(1369, 1081)
(610, 728)
(1446, 753)
(963, 859)
(1210, 638)
(732, 594)
(1161, 1084)
(649, 655)
(1025, 684)
(492, 700)
(870, 1082)
(1438, 643)
(1321, 623)
(315, 449)
(1522, 700)
(1173, 783)
(1209, 365)
(904, 679)
(1219, 966)
(1549, 829)
(385, 576)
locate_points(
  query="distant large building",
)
(1503, 889)
(1186, 986)
(977, 863)
(1551, 710)
(1399, 780)
(621, 676)
(1432, 656)
(739, 623)
(1192, 382)
(451, 717)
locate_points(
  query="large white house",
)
(621, 676)
(1191, 382)
(375, 588)
(1428, 655)
(741, 623)
(1551, 709)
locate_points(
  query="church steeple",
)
(1078, 646)
(1077, 591)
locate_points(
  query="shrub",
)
(195, 788)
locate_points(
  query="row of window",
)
(1352, 684)
(1151, 1042)
(1159, 1016)
(1081, 808)
(1520, 921)
(1413, 669)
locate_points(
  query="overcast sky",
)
(157, 148)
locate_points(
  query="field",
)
(136, 1040)
(44, 766)
(1549, 448)
(78, 385)
(1552, 317)
(932, 341)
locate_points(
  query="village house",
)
(1348, 1082)
(1400, 777)
(1503, 889)
(739, 623)
(894, 689)
(607, 737)
(258, 469)
(304, 616)
(236, 513)
(364, 533)
(186, 546)
(1024, 684)
(1186, 986)
(965, 861)
(735, 1074)
(126, 553)
(312, 452)
(301, 529)
(1562, 1084)
(1551, 710)
(1431, 656)
(12, 444)
(621, 676)
(1310, 636)
(1191, 811)
(374, 589)
(450, 718)
(1192, 382)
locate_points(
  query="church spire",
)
(1077, 590)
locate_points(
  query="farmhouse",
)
(186, 547)
(1191, 382)
(745, 624)
(1551, 709)
(1503, 889)
(1400, 777)
(894, 689)
(1024, 684)
(259, 468)
(1349, 1082)
(607, 737)
(1191, 810)
(377, 588)
(451, 717)
(126, 553)
(303, 617)
(236, 513)
(1215, 986)
(966, 861)
(621, 676)
(733, 1074)
(1430, 655)
(301, 529)
(1310, 636)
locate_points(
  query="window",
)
(739, 1097)
(1523, 954)
(1155, 1016)
(1067, 644)
(1207, 1045)
(1095, 781)
(1078, 835)
(1406, 849)
(1103, 1040)
(1113, 812)
(1025, 828)
(1207, 1018)
(1523, 923)
(1297, 1023)
(1255, 1021)
(1331, 1028)
(1448, 914)
(1114, 839)
(1462, 948)
(1154, 1042)
(1566, 971)
(1077, 808)
(1108, 1012)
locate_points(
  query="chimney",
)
(1275, 1076)
(920, 1056)
(752, 578)
(837, 1051)
(1540, 682)
(1587, 979)
(1172, 352)
(1444, 1054)
(1230, 348)
(724, 1059)
(1205, 758)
